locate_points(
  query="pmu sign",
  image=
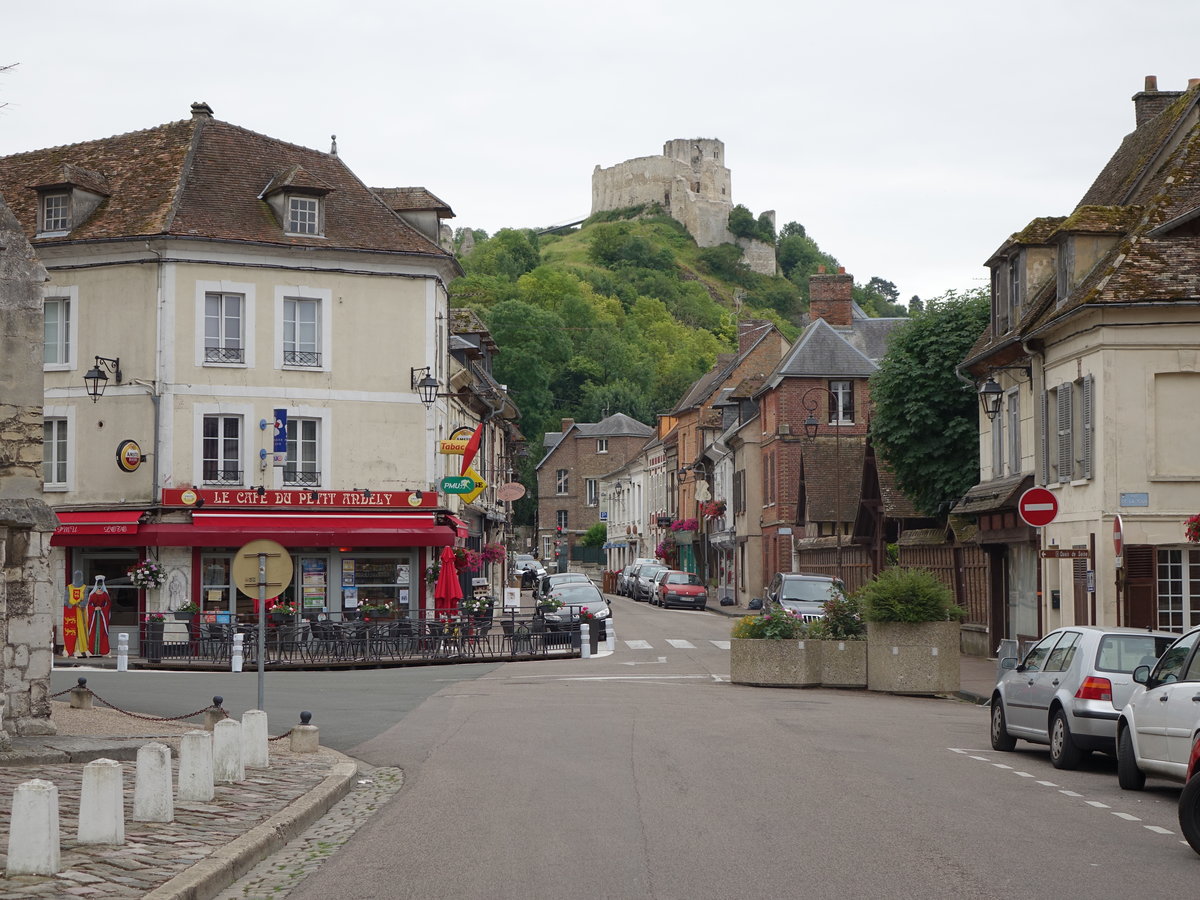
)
(1038, 507)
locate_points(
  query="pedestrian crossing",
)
(675, 643)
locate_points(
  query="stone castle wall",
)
(691, 183)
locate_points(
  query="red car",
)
(676, 588)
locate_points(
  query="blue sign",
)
(1135, 498)
(280, 445)
(603, 515)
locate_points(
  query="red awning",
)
(232, 529)
(117, 523)
(460, 527)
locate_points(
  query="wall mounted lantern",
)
(991, 395)
(96, 380)
(426, 387)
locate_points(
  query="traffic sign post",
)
(257, 566)
(1038, 507)
(1119, 540)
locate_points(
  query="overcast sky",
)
(910, 139)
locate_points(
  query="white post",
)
(122, 652)
(585, 640)
(195, 767)
(102, 803)
(34, 847)
(153, 796)
(610, 634)
(255, 746)
(235, 657)
(227, 752)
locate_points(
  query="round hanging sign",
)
(129, 456)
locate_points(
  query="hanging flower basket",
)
(147, 574)
(1192, 531)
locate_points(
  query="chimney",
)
(566, 424)
(201, 110)
(1151, 101)
(830, 297)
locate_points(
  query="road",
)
(646, 775)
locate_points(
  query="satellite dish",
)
(514, 490)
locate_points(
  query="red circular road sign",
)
(1118, 538)
(1038, 507)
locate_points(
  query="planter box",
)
(919, 658)
(843, 664)
(771, 663)
(684, 537)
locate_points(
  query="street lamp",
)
(811, 425)
(426, 387)
(990, 396)
(95, 381)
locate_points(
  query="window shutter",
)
(1064, 433)
(1141, 594)
(1086, 412)
(1044, 440)
(998, 446)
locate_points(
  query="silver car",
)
(1069, 690)
(804, 595)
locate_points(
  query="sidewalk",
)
(207, 847)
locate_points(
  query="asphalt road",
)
(646, 775)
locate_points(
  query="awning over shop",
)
(90, 524)
(460, 527)
(232, 529)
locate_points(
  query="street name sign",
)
(1037, 507)
(1068, 553)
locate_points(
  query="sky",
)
(910, 139)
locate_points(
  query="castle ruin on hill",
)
(692, 184)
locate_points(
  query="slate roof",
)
(895, 502)
(204, 178)
(616, 425)
(414, 199)
(822, 351)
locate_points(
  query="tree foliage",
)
(925, 424)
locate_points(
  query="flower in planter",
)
(685, 525)
(155, 617)
(477, 604)
(712, 509)
(189, 607)
(494, 553)
(774, 623)
(586, 615)
(147, 574)
(1192, 531)
(551, 604)
(286, 609)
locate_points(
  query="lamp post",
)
(811, 425)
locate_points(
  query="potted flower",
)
(478, 607)
(152, 642)
(1192, 529)
(684, 530)
(842, 634)
(384, 609)
(281, 611)
(913, 633)
(586, 615)
(771, 649)
(185, 612)
(494, 553)
(147, 574)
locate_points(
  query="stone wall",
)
(27, 599)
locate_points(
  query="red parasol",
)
(447, 592)
(472, 448)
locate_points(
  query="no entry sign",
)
(1038, 507)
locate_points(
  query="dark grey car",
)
(804, 595)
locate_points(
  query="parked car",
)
(529, 568)
(576, 595)
(678, 588)
(1069, 690)
(1159, 725)
(643, 582)
(547, 583)
(625, 576)
(802, 594)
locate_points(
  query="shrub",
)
(775, 623)
(843, 619)
(907, 595)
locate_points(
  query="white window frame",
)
(592, 492)
(245, 451)
(601, 445)
(562, 482)
(68, 296)
(62, 224)
(65, 415)
(247, 290)
(324, 458)
(561, 519)
(294, 216)
(997, 426)
(1012, 414)
(841, 392)
(324, 300)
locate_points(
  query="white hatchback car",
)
(1161, 721)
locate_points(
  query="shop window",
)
(378, 579)
(217, 592)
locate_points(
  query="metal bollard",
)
(122, 652)
(610, 634)
(585, 640)
(81, 697)
(35, 847)
(214, 713)
(235, 657)
(305, 738)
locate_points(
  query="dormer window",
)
(67, 197)
(56, 213)
(304, 215)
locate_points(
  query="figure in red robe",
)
(99, 606)
(75, 642)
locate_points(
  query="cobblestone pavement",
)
(276, 876)
(155, 853)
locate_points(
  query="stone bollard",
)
(227, 752)
(123, 653)
(81, 696)
(102, 803)
(195, 767)
(585, 640)
(34, 847)
(610, 635)
(214, 714)
(153, 795)
(255, 746)
(305, 738)
(235, 656)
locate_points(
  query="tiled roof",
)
(716, 377)
(895, 502)
(412, 199)
(998, 493)
(204, 178)
(825, 465)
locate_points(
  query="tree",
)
(509, 253)
(741, 222)
(594, 536)
(925, 420)
(916, 304)
(883, 288)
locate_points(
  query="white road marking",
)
(1070, 794)
(980, 758)
(1098, 804)
(646, 662)
(638, 645)
(1127, 817)
(1047, 784)
(1157, 829)
(720, 645)
(1001, 766)
(1023, 774)
(681, 645)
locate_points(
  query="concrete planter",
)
(843, 664)
(913, 658)
(771, 663)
